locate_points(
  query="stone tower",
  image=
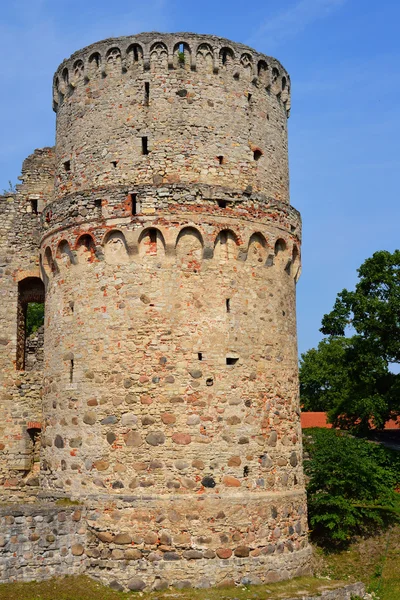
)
(170, 254)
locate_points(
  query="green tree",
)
(373, 308)
(34, 317)
(348, 379)
(350, 488)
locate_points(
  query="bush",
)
(351, 486)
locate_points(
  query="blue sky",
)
(344, 129)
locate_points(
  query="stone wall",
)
(39, 542)
(135, 110)
(20, 390)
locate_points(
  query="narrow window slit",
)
(98, 206)
(146, 93)
(34, 206)
(134, 207)
(114, 163)
(228, 305)
(71, 371)
(153, 236)
(67, 166)
(220, 160)
(200, 355)
(72, 305)
(257, 154)
(249, 97)
(145, 147)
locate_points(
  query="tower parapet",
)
(161, 109)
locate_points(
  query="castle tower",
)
(170, 256)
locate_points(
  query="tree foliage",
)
(346, 378)
(34, 317)
(373, 308)
(351, 486)
(349, 376)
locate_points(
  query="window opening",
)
(114, 163)
(257, 154)
(249, 97)
(71, 370)
(220, 160)
(30, 321)
(230, 360)
(153, 236)
(146, 93)
(34, 206)
(134, 206)
(135, 54)
(200, 355)
(222, 204)
(67, 166)
(228, 305)
(145, 147)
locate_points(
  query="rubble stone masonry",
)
(169, 254)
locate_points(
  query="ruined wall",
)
(170, 336)
(20, 390)
(40, 542)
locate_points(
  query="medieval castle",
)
(158, 441)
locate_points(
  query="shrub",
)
(351, 486)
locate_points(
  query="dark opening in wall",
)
(71, 370)
(231, 360)
(146, 93)
(200, 355)
(145, 146)
(153, 236)
(98, 206)
(34, 206)
(246, 471)
(134, 204)
(72, 305)
(30, 317)
(135, 53)
(249, 97)
(257, 154)
(228, 305)
(224, 56)
(114, 163)
(67, 166)
(222, 203)
(220, 160)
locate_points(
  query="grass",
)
(375, 561)
(83, 588)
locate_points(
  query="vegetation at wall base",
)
(350, 488)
